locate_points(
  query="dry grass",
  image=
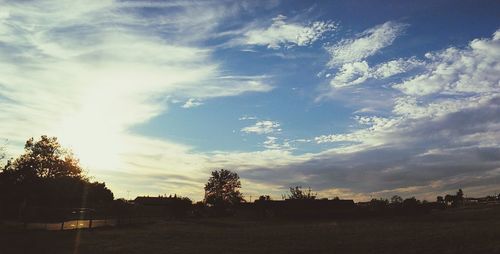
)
(452, 231)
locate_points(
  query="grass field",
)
(453, 231)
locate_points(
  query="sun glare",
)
(94, 133)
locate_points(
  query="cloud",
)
(441, 134)
(364, 44)
(411, 107)
(395, 67)
(272, 143)
(247, 118)
(90, 72)
(416, 157)
(351, 74)
(285, 34)
(425, 145)
(263, 127)
(372, 135)
(219, 85)
(453, 80)
(355, 73)
(191, 103)
(459, 71)
(248, 161)
(349, 56)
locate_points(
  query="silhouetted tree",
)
(379, 204)
(2, 154)
(297, 193)
(47, 175)
(460, 194)
(455, 200)
(264, 198)
(458, 199)
(180, 206)
(440, 199)
(222, 190)
(411, 203)
(449, 199)
(43, 159)
(396, 200)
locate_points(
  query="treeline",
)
(47, 182)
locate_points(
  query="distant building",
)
(482, 200)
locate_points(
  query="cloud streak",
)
(365, 44)
(263, 127)
(89, 72)
(282, 33)
(192, 103)
(356, 73)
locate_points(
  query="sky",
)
(355, 99)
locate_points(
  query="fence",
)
(79, 224)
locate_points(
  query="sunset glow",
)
(152, 96)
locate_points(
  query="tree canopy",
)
(48, 175)
(396, 200)
(43, 159)
(2, 155)
(297, 193)
(222, 189)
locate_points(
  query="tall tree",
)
(460, 194)
(297, 193)
(459, 198)
(222, 189)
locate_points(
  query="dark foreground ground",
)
(453, 231)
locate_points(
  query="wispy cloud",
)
(355, 73)
(247, 118)
(282, 33)
(191, 103)
(273, 143)
(364, 44)
(351, 74)
(372, 135)
(263, 127)
(89, 72)
(348, 57)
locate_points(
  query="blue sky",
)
(353, 98)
